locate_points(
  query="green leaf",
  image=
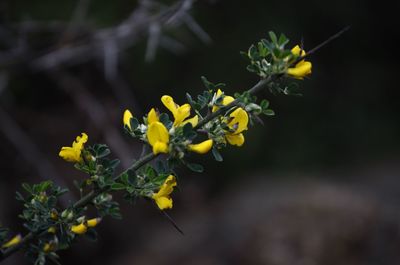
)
(117, 186)
(134, 123)
(19, 197)
(124, 178)
(114, 163)
(269, 112)
(27, 187)
(273, 37)
(264, 104)
(195, 167)
(282, 40)
(217, 155)
(45, 185)
(207, 84)
(164, 119)
(252, 53)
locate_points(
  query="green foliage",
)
(3, 234)
(269, 57)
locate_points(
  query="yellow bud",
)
(202, 147)
(79, 229)
(93, 222)
(48, 247)
(51, 230)
(127, 118)
(54, 215)
(14, 241)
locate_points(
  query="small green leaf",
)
(195, 167)
(134, 123)
(217, 155)
(27, 187)
(264, 104)
(269, 112)
(273, 37)
(207, 84)
(117, 186)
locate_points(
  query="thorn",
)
(169, 218)
(322, 44)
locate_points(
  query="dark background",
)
(318, 184)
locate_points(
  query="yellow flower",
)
(180, 113)
(158, 137)
(93, 222)
(73, 154)
(152, 116)
(302, 68)
(54, 214)
(162, 197)
(79, 229)
(51, 230)
(127, 118)
(49, 247)
(235, 139)
(225, 101)
(14, 241)
(238, 122)
(201, 148)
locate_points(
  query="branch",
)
(88, 198)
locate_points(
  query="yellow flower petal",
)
(79, 229)
(225, 101)
(69, 154)
(235, 139)
(239, 120)
(73, 154)
(49, 247)
(160, 147)
(51, 230)
(127, 118)
(46, 247)
(152, 116)
(169, 103)
(302, 69)
(158, 137)
(181, 114)
(93, 222)
(201, 148)
(296, 51)
(162, 197)
(164, 203)
(14, 241)
(194, 121)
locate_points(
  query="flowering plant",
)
(206, 123)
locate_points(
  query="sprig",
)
(206, 123)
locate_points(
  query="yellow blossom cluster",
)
(157, 134)
(302, 68)
(83, 226)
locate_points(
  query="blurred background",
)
(318, 184)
